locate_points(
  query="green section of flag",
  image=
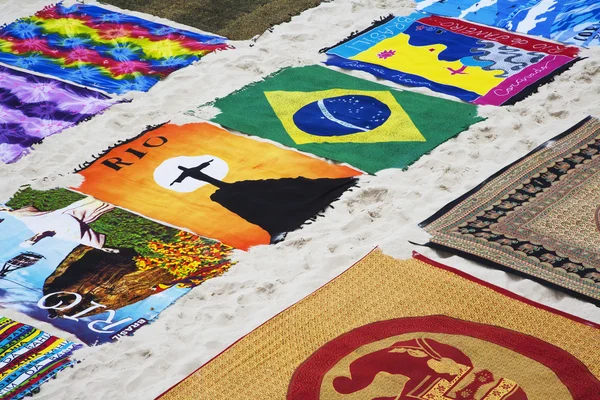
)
(438, 120)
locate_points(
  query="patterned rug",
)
(346, 119)
(404, 330)
(95, 270)
(33, 107)
(235, 19)
(240, 191)
(538, 216)
(475, 63)
(568, 21)
(29, 358)
(101, 49)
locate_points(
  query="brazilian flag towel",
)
(346, 119)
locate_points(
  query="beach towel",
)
(95, 270)
(537, 217)
(235, 19)
(345, 119)
(474, 63)
(240, 191)
(569, 21)
(29, 358)
(403, 330)
(34, 107)
(100, 48)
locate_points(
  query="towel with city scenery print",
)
(93, 269)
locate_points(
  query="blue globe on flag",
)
(342, 115)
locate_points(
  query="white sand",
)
(267, 279)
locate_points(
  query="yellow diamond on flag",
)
(343, 116)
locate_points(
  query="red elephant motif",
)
(435, 370)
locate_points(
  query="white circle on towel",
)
(167, 172)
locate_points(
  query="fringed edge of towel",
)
(28, 150)
(492, 264)
(319, 214)
(534, 87)
(274, 24)
(46, 8)
(95, 157)
(354, 35)
(449, 206)
(35, 387)
(242, 89)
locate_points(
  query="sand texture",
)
(385, 210)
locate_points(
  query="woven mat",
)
(537, 217)
(387, 328)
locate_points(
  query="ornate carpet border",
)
(422, 258)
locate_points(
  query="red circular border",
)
(307, 379)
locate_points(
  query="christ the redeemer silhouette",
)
(276, 205)
(196, 173)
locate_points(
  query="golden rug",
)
(414, 329)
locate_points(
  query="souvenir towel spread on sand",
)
(29, 358)
(539, 216)
(240, 191)
(475, 63)
(101, 48)
(235, 19)
(34, 107)
(343, 118)
(406, 330)
(95, 270)
(568, 21)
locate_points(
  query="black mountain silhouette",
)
(276, 205)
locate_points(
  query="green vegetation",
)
(122, 228)
(46, 200)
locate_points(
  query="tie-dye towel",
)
(100, 48)
(568, 21)
(28, 358)
(34, 107)
(475, 63)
